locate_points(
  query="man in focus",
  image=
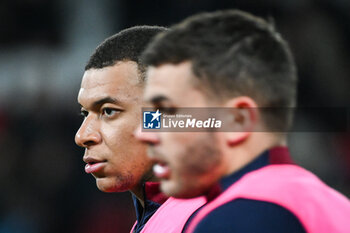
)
(111, 98)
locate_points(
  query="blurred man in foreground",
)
(111, 98)
(231, 59)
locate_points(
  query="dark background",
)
(44, 46)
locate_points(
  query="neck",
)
(139, 194)
(139, 191)
(241, 155)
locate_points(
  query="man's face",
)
(110, 100)
(188, 163)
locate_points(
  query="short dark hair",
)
(126, 45)
(233, 53)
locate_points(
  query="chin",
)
(110, 185)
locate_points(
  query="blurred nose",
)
(88, 134)
(146, 137)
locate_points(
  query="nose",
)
(146, 137)
(88, 134)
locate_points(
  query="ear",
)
(243, 113)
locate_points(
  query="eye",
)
(110, 112)
(84, 113)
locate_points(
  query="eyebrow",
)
(102, 101)
(158, 99)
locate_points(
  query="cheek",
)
(200, 157)
(122, 146)
(118, 133)
(190, 155)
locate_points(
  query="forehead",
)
(120, 81)
(171, 80)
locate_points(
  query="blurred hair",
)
(127, 45)
(233, 53)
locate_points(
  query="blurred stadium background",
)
(44, 46)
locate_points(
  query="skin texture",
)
(194, 158)
(111, 100)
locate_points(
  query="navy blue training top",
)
(250, 216)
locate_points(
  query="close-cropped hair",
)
(126, 45)
(232, 53)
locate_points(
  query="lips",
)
(160, 167)
(93, 165)
(161, 170)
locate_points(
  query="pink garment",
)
(172, 215)
(319, 208)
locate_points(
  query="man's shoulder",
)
(246, 215)
(174, 207)
(172, 215)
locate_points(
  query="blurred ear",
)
(243, 115)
